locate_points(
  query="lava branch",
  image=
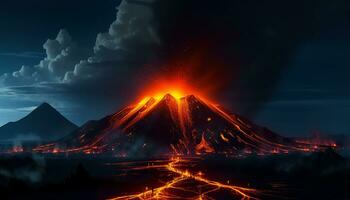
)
(184, 175)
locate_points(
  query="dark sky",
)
(284, 64)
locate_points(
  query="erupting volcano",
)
(172, 123)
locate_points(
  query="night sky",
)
(284, 65)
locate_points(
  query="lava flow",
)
(174, 123)
(179, 188)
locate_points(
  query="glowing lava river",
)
(184, 184)
(197, 132)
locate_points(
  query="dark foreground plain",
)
(319, 175)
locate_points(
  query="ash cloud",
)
(253, 41)
(61, 55)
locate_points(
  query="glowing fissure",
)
(140, 111)
(173, 188)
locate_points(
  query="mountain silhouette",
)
(43, 123)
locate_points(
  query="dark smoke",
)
(245, 45)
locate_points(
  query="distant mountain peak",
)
(45, 106)
(44, 109)
(44, 121)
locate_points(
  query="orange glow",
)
(177, 94)
(180, 102)
(16, 149)
(204, 146)
(143, 101)
(169, 189)
(176, 87)
(224, 138)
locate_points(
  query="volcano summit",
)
(170, 124)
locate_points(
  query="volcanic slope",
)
(168, 125)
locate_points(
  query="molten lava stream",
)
(187, 185)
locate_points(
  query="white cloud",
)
(25, 71)
(61, 56)
(132, 33)
(133, 26)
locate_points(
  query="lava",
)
(171, 123)
(179, 123)
(204, 146)
(174, 189)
